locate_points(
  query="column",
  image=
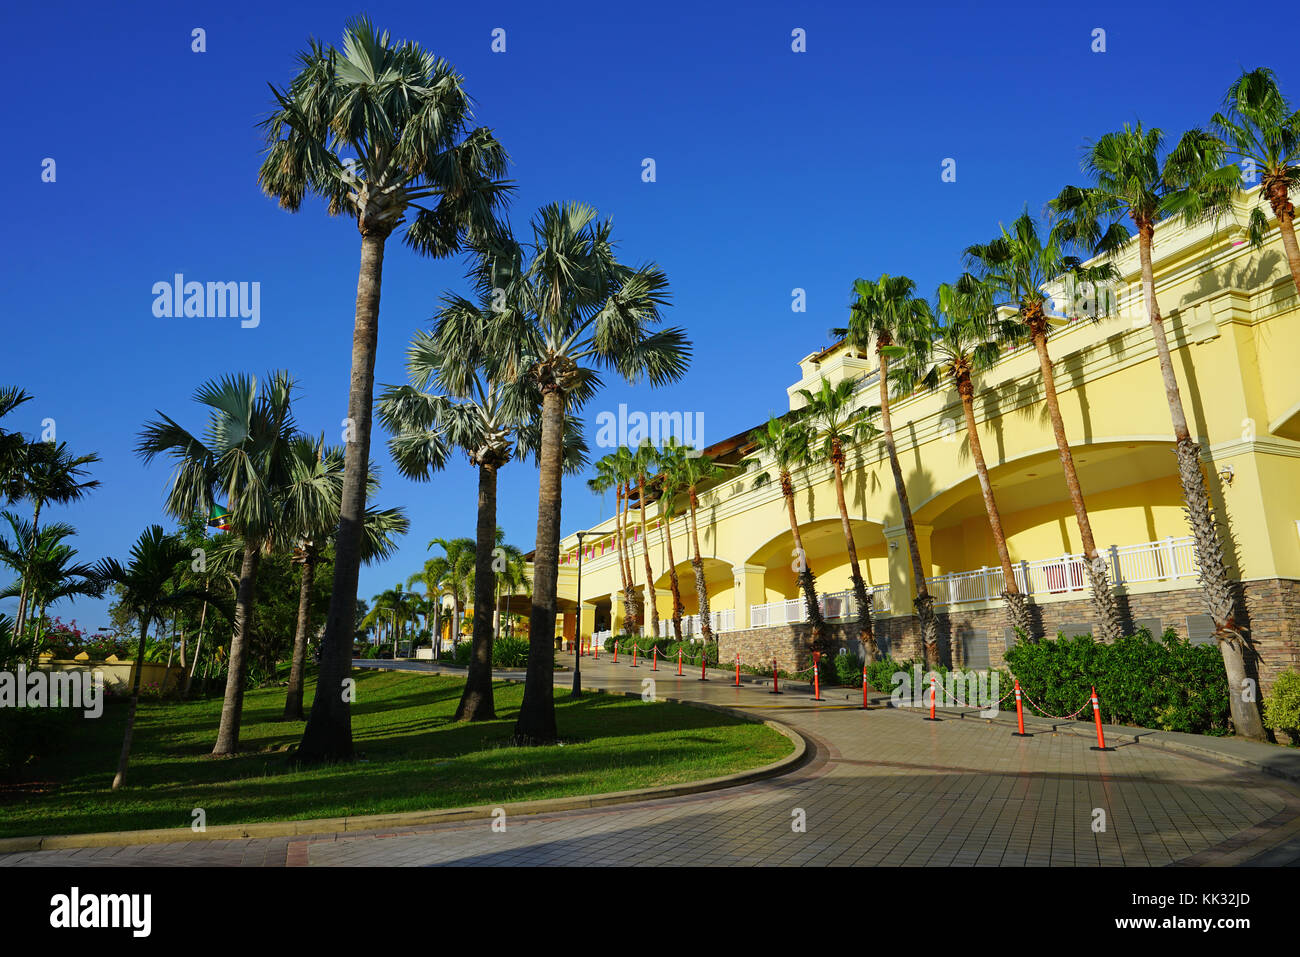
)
(749, 590)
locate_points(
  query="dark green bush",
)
(848, 670)
(1165, 683)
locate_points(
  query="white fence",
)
(722, 620)
(835, 606)
(1165, 560)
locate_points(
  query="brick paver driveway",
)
(880, 787)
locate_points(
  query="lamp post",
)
(577, 628)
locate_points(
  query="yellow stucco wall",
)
(1233, 323)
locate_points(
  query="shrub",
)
(1282, 705)
(1166, 683)
(848, 670)
(460, 654)
(508, 653)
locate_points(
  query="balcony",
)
(835, 606)
(1166, 560)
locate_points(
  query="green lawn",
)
(411, 757)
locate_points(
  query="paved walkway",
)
(880, 787)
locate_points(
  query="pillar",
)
(749, 590)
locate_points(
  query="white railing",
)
(721, 620)
(1127, 564)
(598, 637)
(835, 606)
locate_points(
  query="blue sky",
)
(775, 170)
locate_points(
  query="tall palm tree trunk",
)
(293, 695)
(807, 582)
(476, 701)
(1017, 607)
(651, 599)
(328, 735)
(673, 583)
(24, 594)
(1277, 192)
(860, 594)
(631, 602)
(233, 706)
(701, 584)
(924, 601)
(1215, 586)
(198, 649)
(1103, 599)
(536, 723)
(120, 777)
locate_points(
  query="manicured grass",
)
(412, 757)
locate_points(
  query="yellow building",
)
(1233, 323)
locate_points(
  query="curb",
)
(406, 819)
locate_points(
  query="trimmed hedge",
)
(1282, 706)
(1162, 683)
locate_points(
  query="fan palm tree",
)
(569, 308)
(837, 424)
(480, 410)
(885, 314)
(644, 463)
(244, 457)
(311, 508)
(48, 473)
(381, 131)
(1017, 267)
(144, 587)
(966, 340)
(1261, 128)
(1132, 180)
(785, 443)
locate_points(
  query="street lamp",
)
(577, 628)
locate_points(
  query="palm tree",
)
(785, 442)
(644, 462)
(245, 458)
(624, 463)
(380, 130)
(570, 309)
(1261, 128)
(1017, 267)
(12, 444)
(48, 473)
(143, 587)
(481, 411)
(311, 508)
(671, 484)
(53, 575)
(694, 470)
(609, 474)
(1132, 182)
(836, 425)
(967, 342)
(456, 573)
(885, 314)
